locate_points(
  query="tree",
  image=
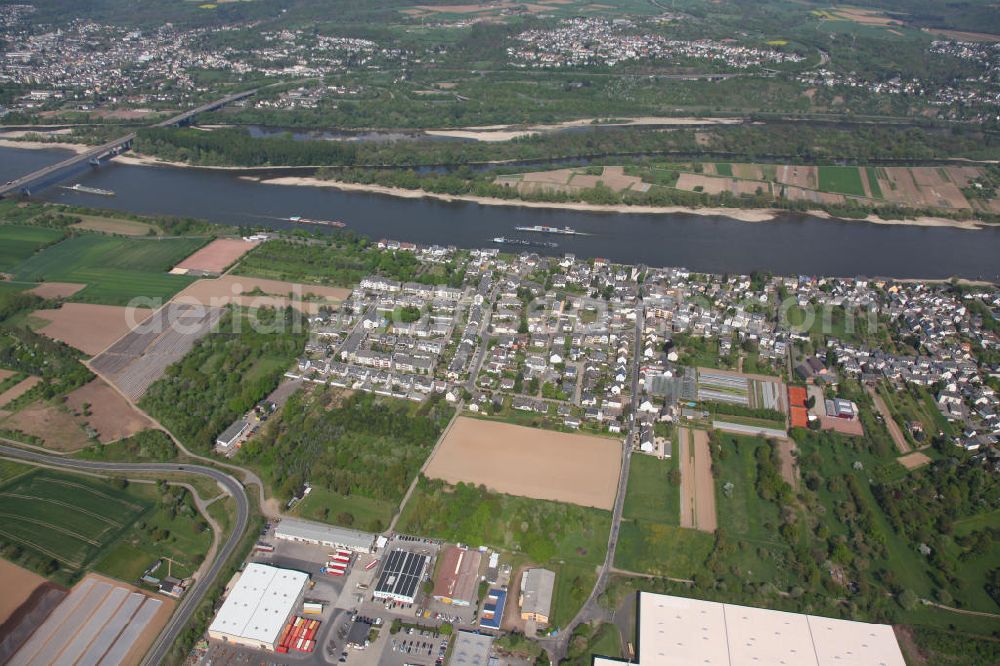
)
(907, 599)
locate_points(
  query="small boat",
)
(325, 223)
(88, 190)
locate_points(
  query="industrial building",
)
(676, 631)
(232, 435)
(492, 614)
(401, 575)
(458, 576)
(471, 649)
(536, 594)
(259, 604)
(305, 531)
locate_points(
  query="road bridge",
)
(110, 149)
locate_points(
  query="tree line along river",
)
(789, 245)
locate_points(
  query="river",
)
(793, 244)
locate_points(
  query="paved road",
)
(194, 596)
(591, 610)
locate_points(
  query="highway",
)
(112, 147)
(189, 603)
(100, 151)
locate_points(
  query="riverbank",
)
(740, 214)
(44, 145)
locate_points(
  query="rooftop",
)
(259, 603)
(675, 631)
(304, 530)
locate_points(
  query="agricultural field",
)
(60, 524)
(105, 412)
(140, 358)
(215, 257)
(89, 327)
(252, 292)
(114, 225)
(517, 460)
(114, 269)
(569, 538)
(574, 180)
(842, 180)
(18, 243)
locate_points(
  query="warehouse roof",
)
(401, 574)
(305, 530)
(676, 631)
(536, 591)
(458, 576)
(259, 603)
(471, 649)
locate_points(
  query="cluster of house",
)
(87, 60)
(557, 338)
(945, 331)
(971, 95)
(598, 41)
(305, 53)
(388, 338)
(560, 341)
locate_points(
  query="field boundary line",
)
(54, 528)
(103, 519)
(94, 491)
(74, 563)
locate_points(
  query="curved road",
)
(189, 603)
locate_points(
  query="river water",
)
(792, 244)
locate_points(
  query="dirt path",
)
(687, 478)
(786, 447)
(890, 423)
(704, 517)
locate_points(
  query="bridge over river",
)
(23, 184)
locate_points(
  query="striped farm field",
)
(66, 518)
(17, 243)
(114, 269)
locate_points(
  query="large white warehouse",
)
(676, 631)
(258, 606)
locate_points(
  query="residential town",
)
(553, 341)
(595, 41)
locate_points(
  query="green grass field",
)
(325, 506)
(663, 550)
(724, 169)
(114, 269)
(844, 180)
(17, 243)
(650, 495)
(69, 519)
